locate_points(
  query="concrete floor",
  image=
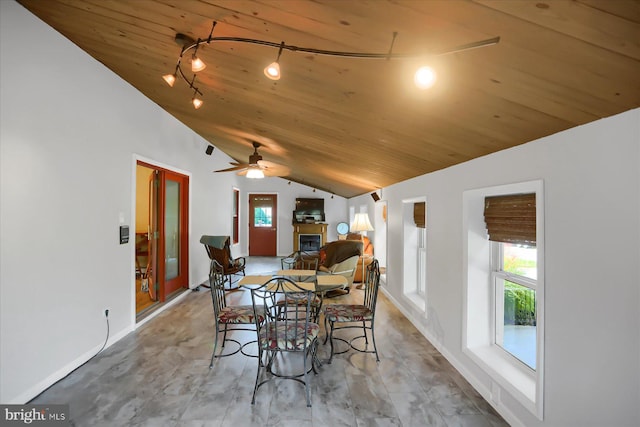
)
(159, 376)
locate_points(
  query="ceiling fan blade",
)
(238, 166)
(273, 169)
(469, 46)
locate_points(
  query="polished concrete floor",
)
(159, 376)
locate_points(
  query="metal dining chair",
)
(349, 316)
(284, 335)
(229, 318)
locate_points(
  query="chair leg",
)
(306, 380)
(224, 337)
(331, 342)
(364, 331)
(215, 347)
(326, 330)
(255, 387)
(373, 338)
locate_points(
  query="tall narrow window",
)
(236, 215)
(419, 217)
(414, 264)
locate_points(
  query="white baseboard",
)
(460, 367)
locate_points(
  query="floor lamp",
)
(361, 223)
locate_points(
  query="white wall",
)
(592, 231)
(70, 133)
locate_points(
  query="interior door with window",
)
(263, 231)
(175, 232)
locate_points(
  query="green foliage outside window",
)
(519, 301)
(519, 305)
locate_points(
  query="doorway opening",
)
(161, 237)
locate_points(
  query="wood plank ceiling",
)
(350, 126)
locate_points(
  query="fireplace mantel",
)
(298, 229)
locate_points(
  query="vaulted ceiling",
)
(352, 125)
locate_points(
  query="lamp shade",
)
(361, 223)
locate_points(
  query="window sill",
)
(417, 301)
(508, 373)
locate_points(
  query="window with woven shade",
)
(511, 218)
(419, 215)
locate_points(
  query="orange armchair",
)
(367, 254)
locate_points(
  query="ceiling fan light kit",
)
(255, 173)
(423, 78)
(256, 168)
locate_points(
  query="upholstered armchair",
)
(340, 257)
(367, 255)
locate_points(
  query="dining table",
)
(306, 279)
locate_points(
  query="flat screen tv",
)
(309, 206)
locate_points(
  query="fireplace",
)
(309, 237)
(310, 242)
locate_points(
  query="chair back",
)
(372, 283)
(216, 283)
(219, 248)
(288, 314)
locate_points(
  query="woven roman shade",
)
(511, 218)
(419, 216)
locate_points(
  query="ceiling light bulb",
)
(197, 102)
(425, 77)
(197, 64)
(255, 173)
(272, 71)
(170, 79)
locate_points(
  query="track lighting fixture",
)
(423, 78)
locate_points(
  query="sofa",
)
(367, 255)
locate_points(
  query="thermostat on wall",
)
(124, 234)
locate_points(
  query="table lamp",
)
(361, 223)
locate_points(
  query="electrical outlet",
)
(106, 312)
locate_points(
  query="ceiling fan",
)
(257, 168)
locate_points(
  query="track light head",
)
(425, 77)
(197, 64)
(272, 71)
(209, 150)
(170, 79)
